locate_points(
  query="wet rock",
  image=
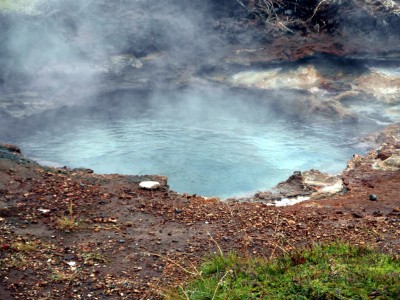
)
(294, 186)
(390, 135)
(384, 154)
(300, 187)
(380, 84)
(10, 148)
(393, 161)
(263, 196)
(149, 185)
(330, 108)
(324, 184)
(354, 162)
(303, 77)
(387, 158)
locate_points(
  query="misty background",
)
(78, 38)
(59, 52)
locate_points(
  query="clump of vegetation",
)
(335, 271)
(23, 246)
(69, 222)
(92, 258)
(59, 276)
(288, 14)
(308, 15)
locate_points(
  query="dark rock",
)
(70, 257)
(294, 186)
(357, 215)
(373, 197)
(10, 148)
(384, 154)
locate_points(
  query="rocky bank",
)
(71, 234)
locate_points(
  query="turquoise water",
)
(208, 143)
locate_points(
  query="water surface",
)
(208, 142)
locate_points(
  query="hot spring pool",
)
(208, 142)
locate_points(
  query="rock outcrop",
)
(361, 173)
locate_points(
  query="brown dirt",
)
(131, 243)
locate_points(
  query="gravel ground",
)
(72, 234)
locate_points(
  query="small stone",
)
(44, 211)
(71, 263)
(121, 241)
(149, 185)
(373, 197)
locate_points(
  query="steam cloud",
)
(64, 51)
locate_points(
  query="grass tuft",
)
(68, 223)
(23, 246)
(335, 271)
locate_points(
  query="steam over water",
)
(82, 84)
(207, 142)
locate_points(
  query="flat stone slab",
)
(149, 185)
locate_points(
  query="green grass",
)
(21, 6)
(336, 271)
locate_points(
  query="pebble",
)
(373, 197)
(149, 185)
